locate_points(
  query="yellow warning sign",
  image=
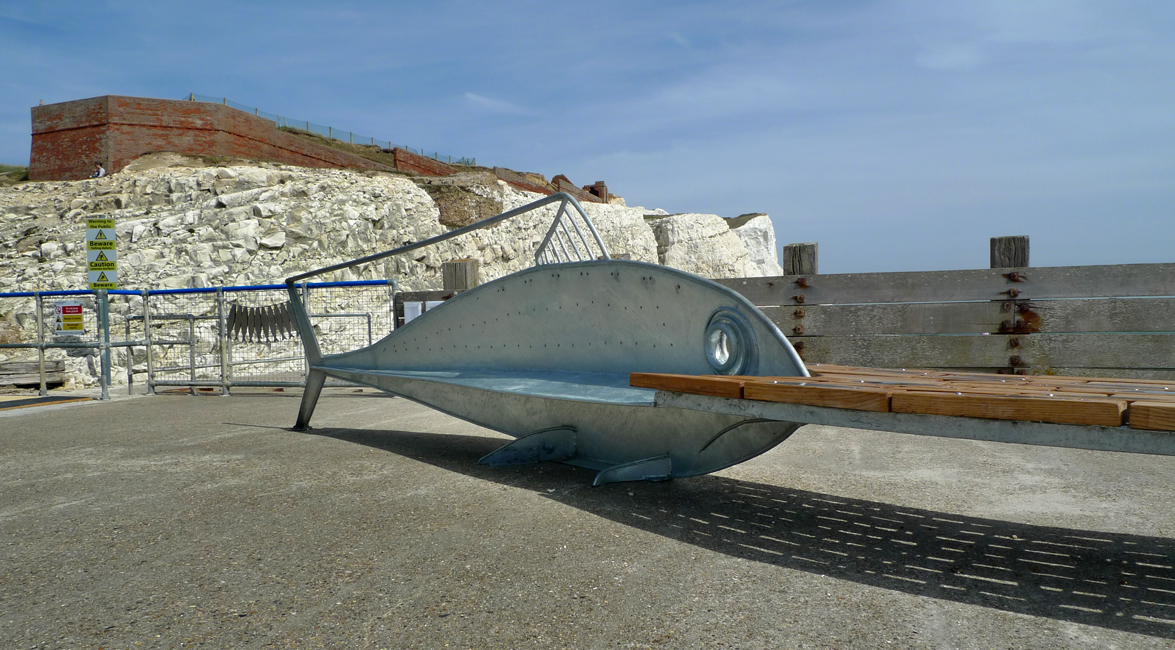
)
(103, 279)
(101, 255)
(101, 261)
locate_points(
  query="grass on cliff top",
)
(362, 150)
(367, 151)
(12, 174)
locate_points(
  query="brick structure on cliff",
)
(69, 137)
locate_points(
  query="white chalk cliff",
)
(182, 226)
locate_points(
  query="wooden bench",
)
(1081, 412)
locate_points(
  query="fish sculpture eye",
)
(729, 343)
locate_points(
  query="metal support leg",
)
(104, 340)
(147, 338)
(41, 343)
(192, 354)
(222, 325)
(129, 351)
(314, 381)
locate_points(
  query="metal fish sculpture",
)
(544, 355)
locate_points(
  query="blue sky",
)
(900, 135)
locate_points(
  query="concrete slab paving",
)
(181, 521)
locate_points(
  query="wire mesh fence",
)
(48, 336)
(283, 121)
(256, 352)
(213, 337)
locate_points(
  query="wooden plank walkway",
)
(1137, 403)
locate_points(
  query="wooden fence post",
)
(1009, 252)
(460, 275)
(801, 259)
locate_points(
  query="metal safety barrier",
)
(217, 337)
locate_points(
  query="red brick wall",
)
(521, 182)
(563, 185)
(406, 161)
(69, 137)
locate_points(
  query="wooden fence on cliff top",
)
(1114, 321)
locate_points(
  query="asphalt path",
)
(180, 521)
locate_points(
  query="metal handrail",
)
(542, 256)
(558, 230)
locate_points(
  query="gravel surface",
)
(177, 521)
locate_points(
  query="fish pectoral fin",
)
(658, 468)
(554, 444)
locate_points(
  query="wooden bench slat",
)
(1155, 417)
(858, 399)
(1059, 410)
(1062, 400)
(717, 385)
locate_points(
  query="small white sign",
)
(412, 311)
(68, 318)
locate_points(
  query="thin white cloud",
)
(951, 58)
(852, 124)
(497, 105)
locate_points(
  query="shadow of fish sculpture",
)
(544, 355)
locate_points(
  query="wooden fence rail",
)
(1116, 321)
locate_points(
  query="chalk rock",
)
(758, 236)
(198, 226)
(702, 244)
(276, 240)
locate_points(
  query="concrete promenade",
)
(177, 522)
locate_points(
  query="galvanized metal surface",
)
(551, 348)
(609, 317)
(608, 434)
